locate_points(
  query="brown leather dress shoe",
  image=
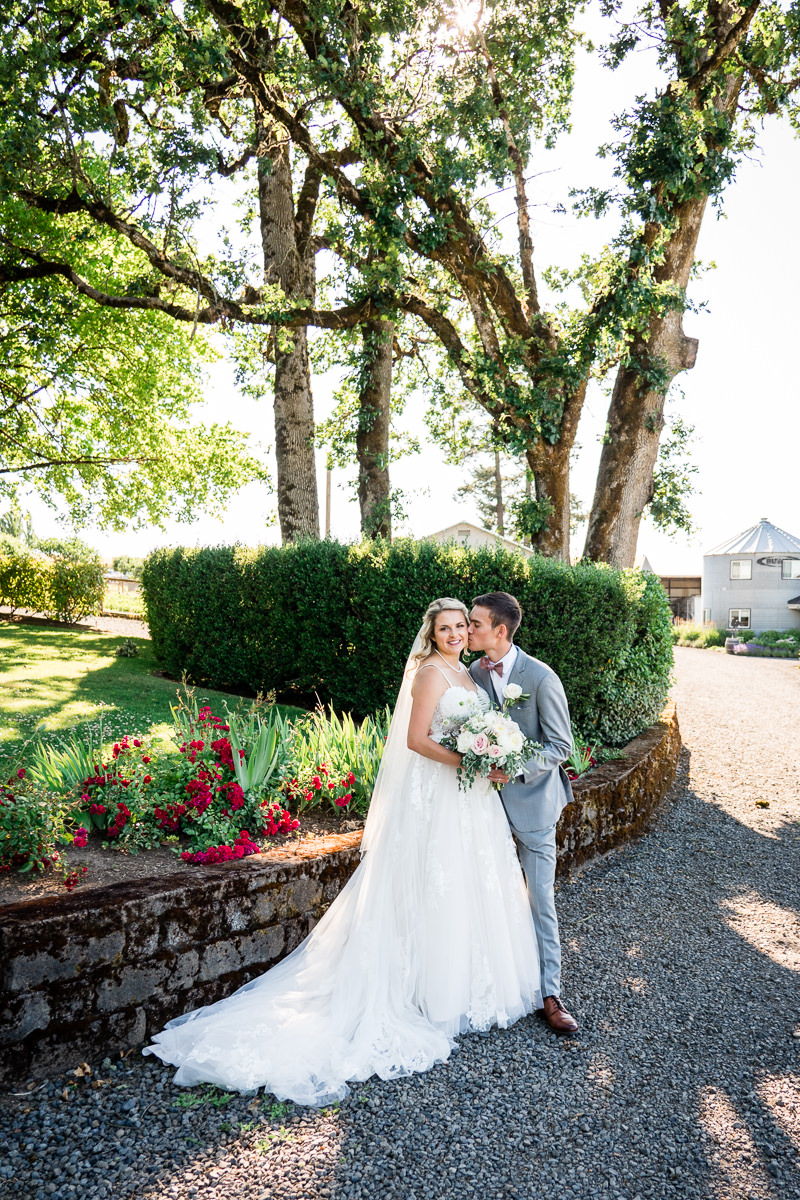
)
(557, 1016)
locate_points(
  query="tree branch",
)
(724, 48)
(75, 462)
(518, 171)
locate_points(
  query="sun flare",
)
(467, 14)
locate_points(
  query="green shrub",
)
(24, 576)
(689, 634)
(75, 589)
(713, 637)
(333, 622)
(31, 823)
(789, 638)
(66, 585)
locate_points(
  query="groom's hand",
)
(497, 776)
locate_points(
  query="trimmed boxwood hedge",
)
(333, 621)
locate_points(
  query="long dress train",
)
(431, 937)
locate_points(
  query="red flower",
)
(351, 778)
(316, 782)
(21, 773)
(145, 759)
(147, 779)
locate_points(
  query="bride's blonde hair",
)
(443, 604)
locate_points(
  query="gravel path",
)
(682, 955)
(124, 626)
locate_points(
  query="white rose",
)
(463, 741)
(512, 691)
(515, 740)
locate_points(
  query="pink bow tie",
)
(488, 665)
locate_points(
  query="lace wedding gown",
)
(431, 937)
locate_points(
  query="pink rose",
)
(480, 744)
(495, 751)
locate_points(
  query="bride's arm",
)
(425, 695)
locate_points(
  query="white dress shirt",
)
(499, 681)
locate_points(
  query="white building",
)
(752, 581)
(473, 536)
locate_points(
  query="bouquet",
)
(486, 740)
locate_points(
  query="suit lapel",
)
(518, 667)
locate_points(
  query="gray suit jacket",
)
(536, 801)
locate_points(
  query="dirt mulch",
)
(110, 866)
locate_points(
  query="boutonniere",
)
(513, 694)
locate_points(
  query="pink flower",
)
(80, 837)
(495, 751)
(480, 744)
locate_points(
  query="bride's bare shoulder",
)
(428, 679)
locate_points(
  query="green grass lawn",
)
(56, 681)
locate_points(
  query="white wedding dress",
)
(431, 937)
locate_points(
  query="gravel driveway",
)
(682, 961)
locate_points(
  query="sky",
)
(742, 397)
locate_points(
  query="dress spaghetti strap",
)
(440, 670)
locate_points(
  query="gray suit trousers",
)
(537, 853)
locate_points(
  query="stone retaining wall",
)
(615, 802)
(98, 971)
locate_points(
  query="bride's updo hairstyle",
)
(443, 604)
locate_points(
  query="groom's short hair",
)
(503, 609)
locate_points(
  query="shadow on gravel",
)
(682, 955)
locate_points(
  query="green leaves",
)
(673, 485)
(256, 766)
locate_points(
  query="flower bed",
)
(227, 786)
(102, 969)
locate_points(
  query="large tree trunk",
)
(550, 467)
(549, 464)
(624, 484)
(372, 436)
(298, 505)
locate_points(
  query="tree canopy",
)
(376, 135)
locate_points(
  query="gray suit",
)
(534, 802)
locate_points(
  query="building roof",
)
(763, 538)
(794, 603)
(461, 531)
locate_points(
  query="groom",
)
(534, 799)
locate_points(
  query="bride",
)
(431, 937)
